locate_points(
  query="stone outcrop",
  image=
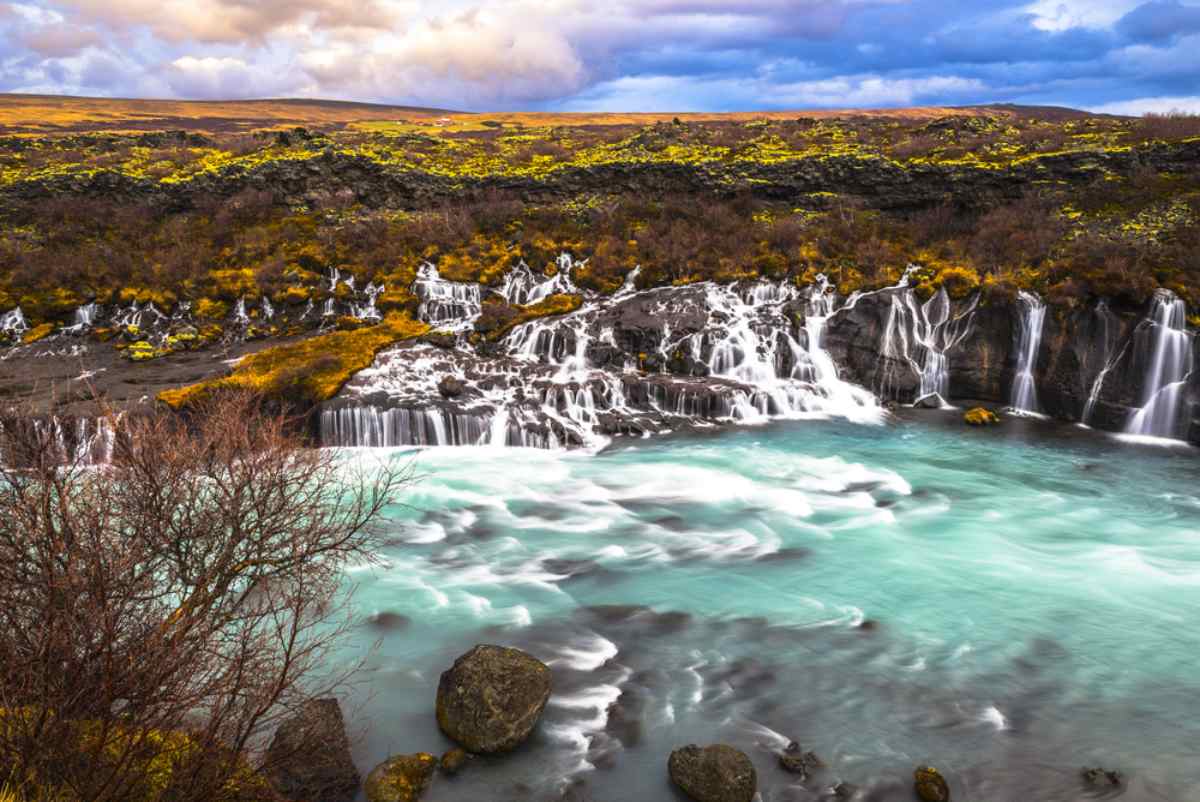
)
(309, 757)
(491, 699)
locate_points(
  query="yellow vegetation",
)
(980, 417)
(38, 333)
(310, 370)
(552, 305)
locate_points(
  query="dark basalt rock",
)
(1101, 778)
(930, 785)
(309, 757)
(716, 773)
(450, 387)
(795, 760)
(492, 698)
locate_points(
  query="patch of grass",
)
(306, 371)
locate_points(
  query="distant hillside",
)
(46, 114)
(55, 113)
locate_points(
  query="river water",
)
(1031, 595)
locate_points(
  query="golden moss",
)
(551, 305)
(208, 309)
(38, 333)
(980, 417)
(310, 370)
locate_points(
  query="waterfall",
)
(447, 304)
(1108, 359)
(72, 441)
(369, 311)
(267, 309)
(13, 323)
(1168, 370)
(921, 337)
(85, 318)
(239, 313)
(521, 286)
(551, 385)
(1033, 317)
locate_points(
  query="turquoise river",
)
(1008, 605)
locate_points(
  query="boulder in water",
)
(454, 760)
(1101, 778)
(931, 785)
(401, 778)
(795, 760)
(716, 773)
(309, 757)
(931, 401)
(491, 698)
(980, 417)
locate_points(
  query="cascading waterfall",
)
(921, 337)
(13, 322)
(1109, 357)
(547, 390)
(1033, 318)
(1168, 370)
(447, 304)
(521, 286)
(78, 441)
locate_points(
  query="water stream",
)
(887, 595)
(1168, 370)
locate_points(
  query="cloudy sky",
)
(666, 55)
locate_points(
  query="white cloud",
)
(1151, 105)
(1061, 15)
(224, 77)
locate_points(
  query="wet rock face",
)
(491, 699)
(716, 773)
(401, 778)
(309, 757)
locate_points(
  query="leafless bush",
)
(159, 615)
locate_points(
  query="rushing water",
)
(1034, 592)
(1033, 317)
(1168, 369)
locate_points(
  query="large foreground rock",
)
(713, 774)
(401, 778)
(309, 757)
(492, 698)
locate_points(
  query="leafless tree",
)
(160, 614)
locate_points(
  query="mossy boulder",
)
(309, 757)
(980, 417)
(930, 785)
(717, 773)
(491, 699)
(401, 778)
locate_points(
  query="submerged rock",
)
(1102, 778)
(716, 773)
(795, 760)
(930, 785)
(980, 417)
(309, 757)
(492, 698)
(401, 778)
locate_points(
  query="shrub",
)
(161, 614)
